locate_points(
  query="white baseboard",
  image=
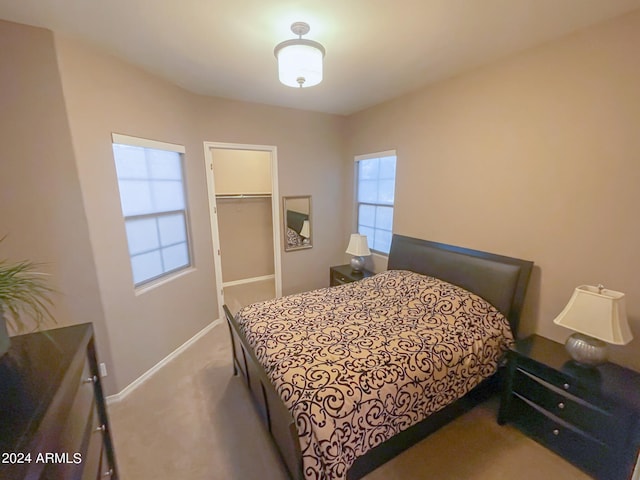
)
(117, 397)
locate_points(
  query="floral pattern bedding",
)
(294, 239)
(360, 362)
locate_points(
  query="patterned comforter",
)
(294, 239)
(360, 362)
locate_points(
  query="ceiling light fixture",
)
(299, 59)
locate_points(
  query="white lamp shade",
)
(358, 245)
(299, 63)
(305, 231)
(597, 312)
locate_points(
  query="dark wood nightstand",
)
(345, 274)
(590, 416)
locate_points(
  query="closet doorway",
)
(242, 185)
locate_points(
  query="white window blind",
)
(375, 196)
(152, 196)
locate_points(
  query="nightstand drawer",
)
(341, 274)
(564, 383)
(573, 444)
(597, 422)
(339, 279)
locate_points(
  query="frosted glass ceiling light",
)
(299, 59)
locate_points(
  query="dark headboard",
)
(296, 219)
(500, 280)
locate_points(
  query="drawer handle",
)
(556, 432)
(108, 473)
(101, 428)
(566, 386)
(561, 406)
(92, 379)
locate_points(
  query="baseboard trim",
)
(117, 397)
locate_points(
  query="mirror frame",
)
(299, 218)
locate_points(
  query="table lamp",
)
(597, 316)
(359, 248)
(305, 232)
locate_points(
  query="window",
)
(375, 193)
(152, 196)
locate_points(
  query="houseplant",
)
(25, 299)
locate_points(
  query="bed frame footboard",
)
(271, 410)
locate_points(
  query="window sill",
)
(161, 281)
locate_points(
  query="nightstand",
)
(345, 274)
(589, 416)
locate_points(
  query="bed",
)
(336, 412)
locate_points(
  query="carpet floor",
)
(193, 420)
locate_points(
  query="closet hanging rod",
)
(243, 195)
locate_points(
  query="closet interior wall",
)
(245, 225)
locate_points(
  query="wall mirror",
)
(297, 223)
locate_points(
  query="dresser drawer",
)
(105, 471)
(573, 444)
(93, 452)
(599, 423)
(80, 412)
(73, 437)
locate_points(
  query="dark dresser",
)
(53, 420)
(589, 416)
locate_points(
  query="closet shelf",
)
(242, 195)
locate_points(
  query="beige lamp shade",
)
(358, 245)
(597, 312)
(305, 231)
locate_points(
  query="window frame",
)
(166, 275)
(357, 203)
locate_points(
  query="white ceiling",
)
(376, 49)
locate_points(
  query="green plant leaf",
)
(25, 295)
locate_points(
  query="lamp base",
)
(357, 264)
(586, 350)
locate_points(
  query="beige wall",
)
(41, 209)
(102, 96)
(536, 156)
(245, 228)
(241, 171)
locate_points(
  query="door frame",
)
(213, 215)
